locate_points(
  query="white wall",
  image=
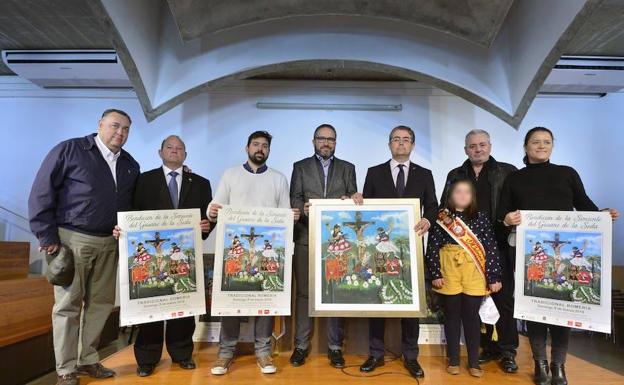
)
(588, 133)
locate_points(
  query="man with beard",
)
(252, 184)
(320, 176)
(488, 175)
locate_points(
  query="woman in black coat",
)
(542, 185)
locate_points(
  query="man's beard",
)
(258, 158)
(318, 152)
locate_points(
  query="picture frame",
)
(366, 260)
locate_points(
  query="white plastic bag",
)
(488, 311)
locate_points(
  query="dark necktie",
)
(400, 181)
(173, 189)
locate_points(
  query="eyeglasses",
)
(397, 139)
(324, 139)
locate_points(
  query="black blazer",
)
(379, 184)
(151, 193)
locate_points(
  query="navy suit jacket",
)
(379, 184)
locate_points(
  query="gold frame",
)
(417, 262)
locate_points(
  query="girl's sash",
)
(461, 233)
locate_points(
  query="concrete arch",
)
(328, 64)
(502, 79)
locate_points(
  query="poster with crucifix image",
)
(563, 269)
(160, 265)
(253, 262)
(366, 260)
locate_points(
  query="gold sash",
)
(461, 233)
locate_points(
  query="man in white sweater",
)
(252, 184)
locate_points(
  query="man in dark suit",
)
(320, 176)
(400, 178)
(165, 188)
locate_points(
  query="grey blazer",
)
(308, 182)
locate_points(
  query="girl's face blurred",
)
(462, 196)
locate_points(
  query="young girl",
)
(463, 259)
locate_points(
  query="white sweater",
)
(239, 187)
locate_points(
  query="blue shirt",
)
(260, 169)
(75, 189)
(325, 163)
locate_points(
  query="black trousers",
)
(462, 309)
(178, 335)
(559, 341)
(506, 326)
(410, 328)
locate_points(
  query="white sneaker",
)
(266, 365)
(221, 366)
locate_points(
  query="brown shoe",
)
(67, 379)
(452, 369)
(476, 372)
(96, 371)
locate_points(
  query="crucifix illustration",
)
(556, 245)
(157, 242)
(251, 238)
(358, 227)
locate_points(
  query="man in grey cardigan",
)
(320, 176)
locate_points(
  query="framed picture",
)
(160, 265)
(366, 260)
(563, 269)
(253, 262)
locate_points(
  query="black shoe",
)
(145, 370)
(558, 374)
(487, 356)
(298, 357)
(371, 364)
(335, 358)
(508, 363)
(414, 368)
(541, 376)
(187, 364)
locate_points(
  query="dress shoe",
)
(335, 358)
(476, 372)
(298, 357)
(67, 379)
(558, 374)
(96, 370)
(371, 364)
(508, 363)
(487, 356)
(541, 376)
(145, 370)
(414, 368)
(188, 364)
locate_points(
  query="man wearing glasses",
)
(488, 176)
(400, 178)
(320, 176)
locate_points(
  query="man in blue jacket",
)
(81, 185)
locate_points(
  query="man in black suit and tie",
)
(320, 176)
(165, 188)
(400, 178)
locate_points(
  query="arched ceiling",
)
(477, 21)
